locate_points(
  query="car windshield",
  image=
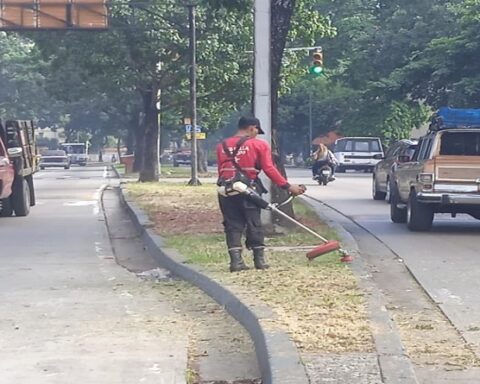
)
(54, 153)
(460, 144)
(74, 149)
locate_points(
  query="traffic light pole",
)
(310, 124)
(193, 96)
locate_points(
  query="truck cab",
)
(6, 172)
(18, 163)
(443, 176)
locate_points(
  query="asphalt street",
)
(445, 261)
(69, 312)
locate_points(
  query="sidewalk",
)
(71, 315)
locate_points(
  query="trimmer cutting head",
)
(327, 247)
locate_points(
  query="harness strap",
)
(231, 155)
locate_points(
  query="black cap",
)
(245, 122)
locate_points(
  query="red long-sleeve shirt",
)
(253, 156)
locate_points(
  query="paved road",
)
(445, 261)
(69, 313)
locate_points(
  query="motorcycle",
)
(324, 175)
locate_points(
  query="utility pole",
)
(193, 95)
(262, 81)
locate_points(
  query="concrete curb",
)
(277, 355)
(395, 365)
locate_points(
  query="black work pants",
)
(239, 216)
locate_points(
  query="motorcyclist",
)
(323, 156)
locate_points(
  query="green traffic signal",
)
(315, 70)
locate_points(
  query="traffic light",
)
(316, 68)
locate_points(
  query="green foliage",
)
(387, 65)
(400, 119)
(394, 62)
(23, 78)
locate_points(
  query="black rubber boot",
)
(259, 259)
(236, 262)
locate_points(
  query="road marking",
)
(80, 203)
(97, 196)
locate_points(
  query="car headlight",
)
(426, 179)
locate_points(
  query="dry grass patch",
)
(318, 302)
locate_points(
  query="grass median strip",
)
(167, 172)
(317, 302)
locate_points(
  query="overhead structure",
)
(18, 15)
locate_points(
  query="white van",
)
(359, 153)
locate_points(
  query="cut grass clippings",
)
(317, 302)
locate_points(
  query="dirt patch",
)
(180, 222)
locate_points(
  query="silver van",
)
(358, 153)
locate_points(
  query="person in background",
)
(321, 157)
(241, 158)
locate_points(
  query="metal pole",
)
(158, 105)
(193, 95)
(262, 80)
(310, 122)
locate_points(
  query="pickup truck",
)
(443, 175)
(18, 163)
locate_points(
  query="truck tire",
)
(21, 197)
(377, 195)
(419, 215)
(7, 209)
(31, 189)
(397, 215)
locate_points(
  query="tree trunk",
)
(130, 138)
(119, 145)
(149, 171)
(202, 159)
(139, 144)
(282, 11)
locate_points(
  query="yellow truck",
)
(443, 176)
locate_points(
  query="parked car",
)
(382, 173)
(357, 153)
(182, 158)
(443, 175)
(166, 158)
(54, 158)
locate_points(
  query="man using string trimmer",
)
(241, 158)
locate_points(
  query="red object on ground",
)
(346, 259)
(128, 161)
(329, 246)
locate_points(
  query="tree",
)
(125, 60)
(23, 82)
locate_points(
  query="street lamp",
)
(193, 92)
